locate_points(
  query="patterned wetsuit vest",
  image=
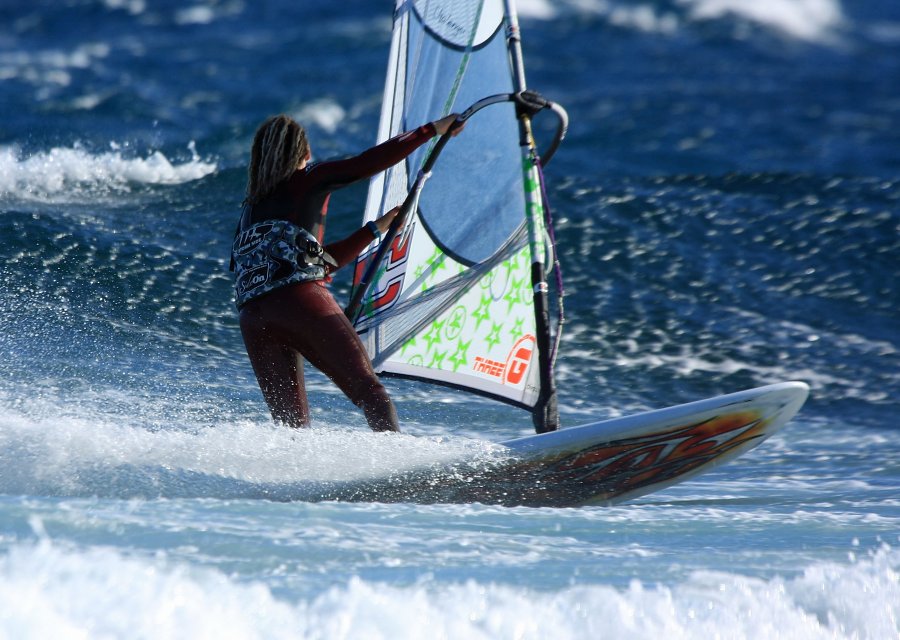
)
(273, 254)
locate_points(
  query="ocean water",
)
(728, 215)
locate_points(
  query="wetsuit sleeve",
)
(339, 173)
(346, 250)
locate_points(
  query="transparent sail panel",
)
(452, 301)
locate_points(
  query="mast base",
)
(546, 415)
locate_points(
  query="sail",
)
(453, 299)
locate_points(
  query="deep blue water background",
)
(728, 215)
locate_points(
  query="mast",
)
(545, 413)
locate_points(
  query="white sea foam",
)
(50, 66)
(539, 9)
(65, 174)
(54, 590)
(195, 15)
(134, 7)
(203, 14)
(812, 20)
(809, 20)
(641, 17)
(324, 113)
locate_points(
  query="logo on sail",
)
(518, 360)
(389, 281)
(512, 372)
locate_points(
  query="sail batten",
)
(453, 297)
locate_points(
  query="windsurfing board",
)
(604, 462)
(623, 458)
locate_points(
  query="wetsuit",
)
(300, 319)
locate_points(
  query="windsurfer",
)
(281, 268)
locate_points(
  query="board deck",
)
(603, 462)
(627, 457)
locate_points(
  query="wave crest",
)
(64, 174)
(54, 587)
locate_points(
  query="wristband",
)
(371, 226)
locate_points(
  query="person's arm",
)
(339, 173)
(346, 250)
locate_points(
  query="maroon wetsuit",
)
(303, 320)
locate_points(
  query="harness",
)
(272, 254)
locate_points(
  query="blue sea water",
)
(728, 215)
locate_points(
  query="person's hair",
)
(279, 146)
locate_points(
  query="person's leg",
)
(332, 346)
(278, 369)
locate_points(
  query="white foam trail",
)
(52, 591)
(66, 173)
(59, 455)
